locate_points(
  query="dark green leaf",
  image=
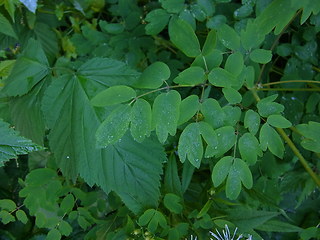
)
(7, 204)
(249, 148)
(6, 27)
(21, 216)
(65, 228)
(165, 114)
(270, 139)
(261, 56)
(221, 170)
(278, 121)
(157, 20)
(53, 234)
(172, 6)
(67, 203)
(229, 37)
(140, 120)
(173, 203)
(114, 126)
(172, 183)
(188, 108)
(278, 226)
(6, 217)
(182, 35)
(311, 135)
(113, 95)
(153, 76)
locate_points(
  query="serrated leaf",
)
(108, 72)
(190, 145)
(140, 126)
(278, 121)
(249, 148)
(12, 145)
(188, 108)
(153, 76)
(213, 113)
(173, 203)
(191, 76)
(232, 95)
(7, 204)
(21, 216)
(221, 170)
(220, 77)
(261, 56)
(6, 27)
(133, 172)
(270, 139)
(113, 95)
(114, 126)
(234, 63)
(182, 35)
(157, 20)
(67, 203)
(172, 6)
(54, 234)
(252, 121)
(233, 184)
(165, 114)
(226, 140)
(30, 68)
(229, 37)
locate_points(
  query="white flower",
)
(226, 235)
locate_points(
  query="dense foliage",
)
(145, 119)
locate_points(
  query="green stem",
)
(290, 89)
(290, 81)
(295, 150)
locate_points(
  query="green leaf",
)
(267, 107)
(229, 37)
(249, 148)
(83, 223)
(114, 126)
(208, 134)
(278, 226)
(252, 121)
(6, 217)
(65, 228)
(226, 140)
(232, 115)
(234, 63)
(157, 20)
(140, 126)
(191, 76)
(270, 139)
(251, 36)
(309, 233)
(30, 68)
(165, 114)
(220, 77)
(232, 95)
(221, 170)
(278, 121)
(113, 95)
(153, 76)
(133, 171)
(6, 27)
(172, 183)
(244, 172)
(108, 72)
(261, 56)
(11, 144)
(233, 184)
(210, 43)
(172, 6)
(213, 113)
(153, 219)
(53, 234)
(190, 145)
(7, 204)
(21, 216)
(67, 203)
(113, 28)
(173, 203)
(182, 35)
(188, 108)
(311, 135)
(249, 76)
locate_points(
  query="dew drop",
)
(68, 157)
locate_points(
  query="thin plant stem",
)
(290, 89)
(293, 147)
(290, 81)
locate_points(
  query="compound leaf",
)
(270, 139)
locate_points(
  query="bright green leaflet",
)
(221, 170)
(190, 145)
(261, 56)
(252, 121)
(153, 76)
(233, 183)
(12, 145)
(141, 114)
(208, 134)
(267, 107)
(249, 148)
(232, 95)
(270, 139)
(234, 63)
(113, 95)
(182, 35)
(210, 43)
(30, 68)
(165, 114)
(220, 77)
(310, 132)
(191, 76)
(278, 121)
(244, 172)
(114, 126)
